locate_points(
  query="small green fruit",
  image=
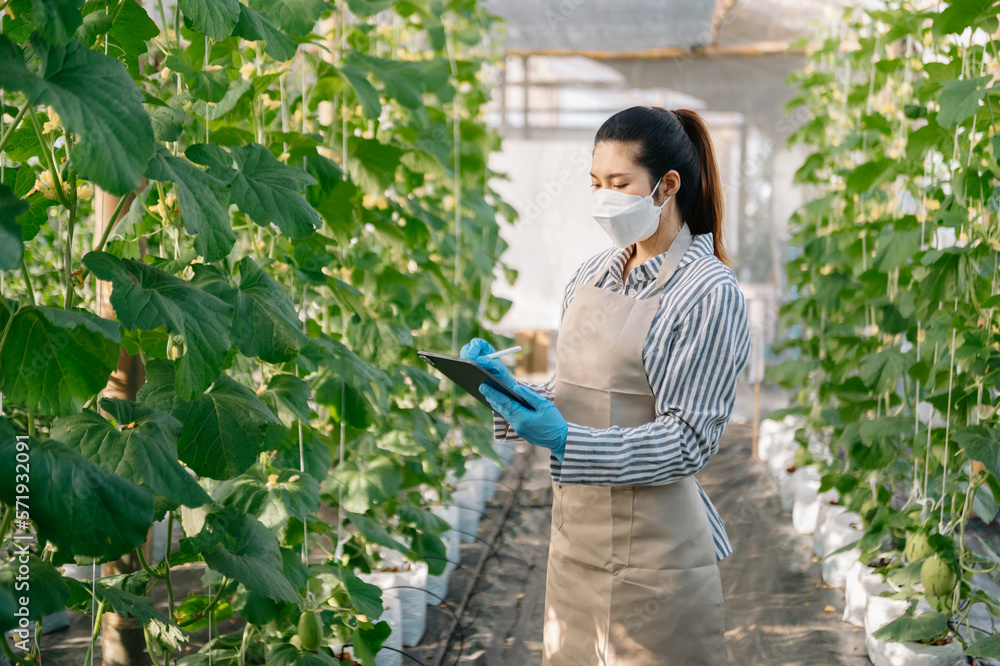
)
(310, 631)
(917, 546)
(802, 457)
(937, 576)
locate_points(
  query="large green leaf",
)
(272, 501)
(254, 25)
(295, 16)
(985, 647)
(142, 449)
(363, 89)
(96, 100)
(206, 84)
(75, 504)
(362, 489)
(960, 99)
(54, 360)
(161, 299)
(907, 628)
(980, 443)
(123, 594)
(356, 391)
(262, 187)
(8, 607)
(402, 80)
(203, 199)
(57, 20)
(48, 591)
(11, 236)
(374, 532)
(129, 34)
(265, 323)
(373, 164)
(212, 18)
(224, 429)
(881, 370)
(242, 548)
(289, 392)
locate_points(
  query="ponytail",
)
(707, 211)
(676, 140)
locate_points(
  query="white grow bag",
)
(412, 602)
(437, 586)
(879, 612)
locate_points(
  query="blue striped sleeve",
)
(694, 376)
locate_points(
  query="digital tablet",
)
(469, 375)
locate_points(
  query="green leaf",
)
(371, 107)
(254, 25)
(286, 654)
(129, 34)
(374, 532)
(881, 370)
(867, 175)
(48, 591)
(906, 628)
(75, 504)
(262, 187)
(895, 248)
(161, 299)
(57, 20)
(353, 385)
(402, 80)
(373, 164)
(367, 642)
(8, 607)
(224, 429)
(209, 85)
(213, 18)
(240, 547)
(271, 503)
(985, 647)
(54, 360)
(295, 16)
(168, 123)
(290, 392)
(143, 449)
(122, 594)
(366, 597)
(11, 236)
(378, 482)
(265, 323)
(430, 548)
(980, 443)
(96, 100)
(423, 520)
(960, 100)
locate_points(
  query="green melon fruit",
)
(917, 546)
(937, 576)
(310, 631)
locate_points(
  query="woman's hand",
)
(476, 351)
(542, 426)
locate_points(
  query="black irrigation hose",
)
(384, 647)
(508, 503)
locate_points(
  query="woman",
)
(653, 335)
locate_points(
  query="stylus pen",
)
(504, 352)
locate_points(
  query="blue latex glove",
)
(544, 426)
(476, 351)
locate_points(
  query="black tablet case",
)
(469, 375)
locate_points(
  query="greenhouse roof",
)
(636, 26)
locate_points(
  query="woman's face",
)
(613, 168)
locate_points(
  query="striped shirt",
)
(696, 348)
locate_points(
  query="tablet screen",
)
(469, 375)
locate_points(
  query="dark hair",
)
(677, 140)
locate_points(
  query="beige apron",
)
(631, 574)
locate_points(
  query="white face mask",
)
(627, 218)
